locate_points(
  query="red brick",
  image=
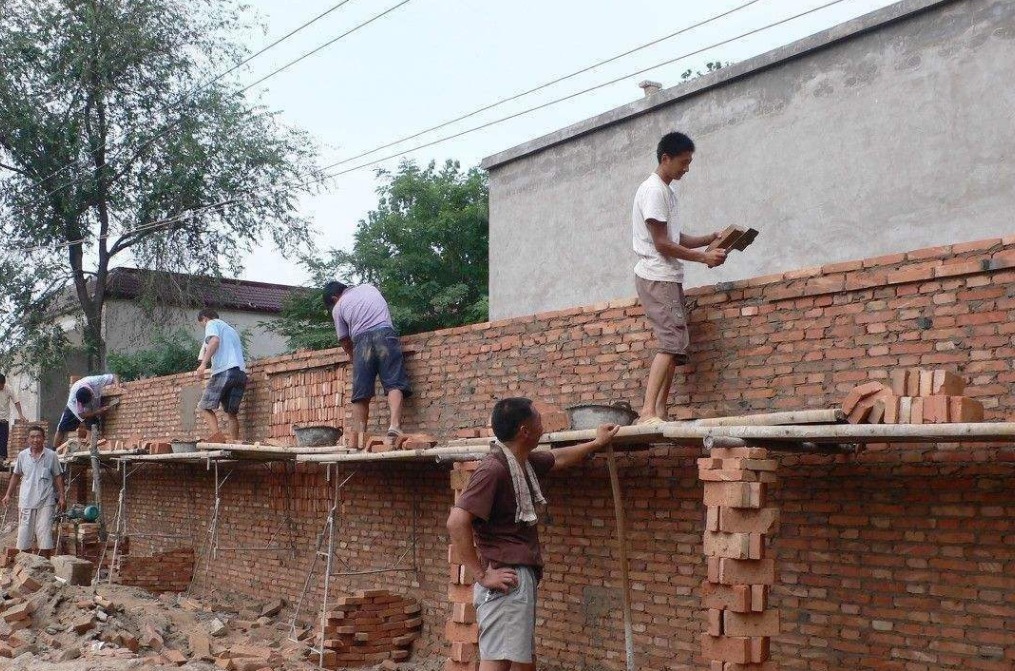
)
(962, 409)
(734, 545)
(726, 597)
(735, 494)
(734, 649)
(751, 624)
(860, 392)
(743, 520)
(741, 571)
(947, 383)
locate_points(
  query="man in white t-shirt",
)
(659, 274)
(223, 351)
(6, 401)
(84, 405)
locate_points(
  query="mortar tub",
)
(181, 446)
(591, 415)
(316, 436)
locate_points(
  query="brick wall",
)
(169, 571)
(898, 558)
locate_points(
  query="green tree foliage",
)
(425, 247)
(113, 116)
(175, 352)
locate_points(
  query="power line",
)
(488, 124)
(540, 87)
(275, 72)
(200, 87)
(557, 100)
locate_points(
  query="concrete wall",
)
(887, 133)
(129, 329)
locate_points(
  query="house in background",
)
(886, 133)
(128, 326)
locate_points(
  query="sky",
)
(429, 61)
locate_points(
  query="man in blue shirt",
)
(224, 352)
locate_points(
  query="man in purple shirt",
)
(366, 333)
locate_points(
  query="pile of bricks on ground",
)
(369, 627)
(915, 396)
(461, 630)
(50, 612)
(740, 623)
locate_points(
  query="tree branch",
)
(17, 170)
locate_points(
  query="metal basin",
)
(591, 415)
(316, 436)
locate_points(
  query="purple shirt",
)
(360, 309)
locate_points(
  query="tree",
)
(426, 247)
(105, 130)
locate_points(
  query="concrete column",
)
(741, 569)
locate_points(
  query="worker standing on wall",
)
(497, 515)
(659, 274)
(367, 334)
(39, 478)
(223, 352)
(84, 405)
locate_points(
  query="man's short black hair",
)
(3, 379)
(35, 427)
(673, 144)
(83, 395)
(508, 416)
(207, 313)
(332, 290)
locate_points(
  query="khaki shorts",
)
(507, 622)
(665, 310)
(35, 524)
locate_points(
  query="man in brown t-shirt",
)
(496, 512)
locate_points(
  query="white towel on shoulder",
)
(525, 511)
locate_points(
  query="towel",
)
(525, 511)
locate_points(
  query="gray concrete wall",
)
(892, 132)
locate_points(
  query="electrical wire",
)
(558, 80)
(494, 122)
(283, 68)
(200, 87)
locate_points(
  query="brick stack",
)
(740, 573)
(461, 630)
(371, 626)
(915, 396)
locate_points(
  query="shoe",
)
(394, 433)
(649, 421)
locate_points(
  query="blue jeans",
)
(378, 352)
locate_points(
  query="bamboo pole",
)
(829, 416)
(851, 433)
(618, 511)
(179, 456)
(270, 449)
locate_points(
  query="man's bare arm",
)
(695, 241)
(566, 457)
(460, 529)
(670, 249)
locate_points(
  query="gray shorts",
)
(666, 311)
(507, 622)
(35, 524)
(225, 389)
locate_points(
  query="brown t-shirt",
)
(490, 497)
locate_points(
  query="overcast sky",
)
(430, 61)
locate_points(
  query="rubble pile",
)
(52, 618)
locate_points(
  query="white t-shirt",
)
(655, 200)
(6, 401)
(93, 382)
(230, 351)
(38, 477)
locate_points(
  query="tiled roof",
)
(198, 290)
